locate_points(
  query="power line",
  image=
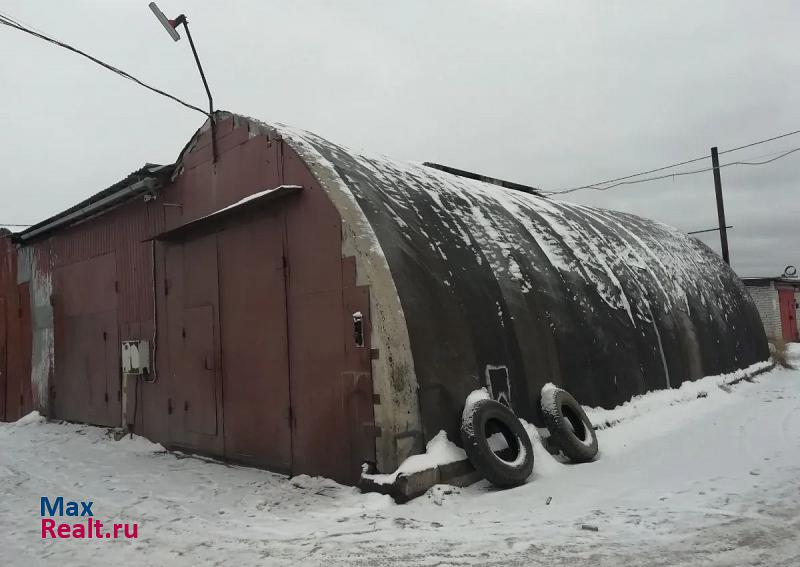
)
(761, 142)
(596, 184)
(677, 174)
(2, 224)
(5, 20)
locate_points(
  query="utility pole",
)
(723, 229)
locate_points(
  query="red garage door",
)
(254, 343)
(788, 314)
(86, 382)
(192, 340)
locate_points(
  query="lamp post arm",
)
(182, 20)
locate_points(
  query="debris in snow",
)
(439, 451)
(549, 499)
(438, 492)
(590, 528)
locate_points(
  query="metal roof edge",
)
(248, 203)
(766, 280)
(148, 178)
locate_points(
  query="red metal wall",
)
(15, 338)
(217, 308)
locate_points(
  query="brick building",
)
(777, 299)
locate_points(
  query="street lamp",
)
(171, 27)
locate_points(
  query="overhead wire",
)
(7, 21)
(675, 174)
(778, 137)
(597, 185)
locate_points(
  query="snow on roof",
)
(605, 303)
(601, 247)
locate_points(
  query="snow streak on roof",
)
(499, 284)
(616, 254)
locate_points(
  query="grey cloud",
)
(544, 93)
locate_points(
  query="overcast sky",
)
(552, 94)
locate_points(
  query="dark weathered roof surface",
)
(510, 290)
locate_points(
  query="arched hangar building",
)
(307, 308)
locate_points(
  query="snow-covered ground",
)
(710, 480)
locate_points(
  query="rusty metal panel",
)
(224, 305)
(197, 371)
(320, 440)
(319, 437)
(86, 382)
(191, 336)
(3, 366)
(15, 354)
(15, 338)
(331, 387)
(788, 311)
(88, 286)
(254, 343)
(357, 381)
(361, 429)
(119, 231)
(249, 167)
(69, 387)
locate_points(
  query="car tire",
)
(507, 467)
(571, 432)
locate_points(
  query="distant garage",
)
(777, 299)
(279, 300)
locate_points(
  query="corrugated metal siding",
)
(331, 418)
(15, 338)
(122, 231)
